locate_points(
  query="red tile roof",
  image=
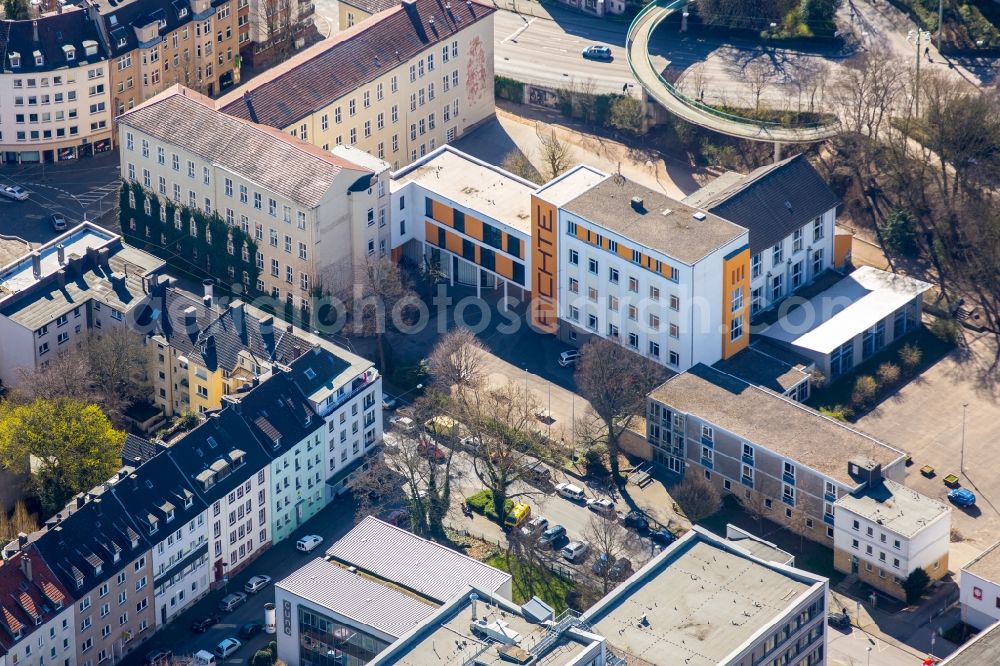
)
(341, 64)
(21, 600)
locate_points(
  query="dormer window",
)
(170, 515)
(97, 569)
(188, 501)
(122, 41)
(152, 523)
(39, 58)
(79, 582)
(135, 541)
(15, 59)
(161, 24)
(70, 52)
(17, 634)
(182, 12)
(116, 556)
(38, 620)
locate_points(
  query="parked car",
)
(308, 542)
(962, 497)
(159, 657)
(568, 358)
(232, 601)
(637, 521)
(601, 564)
(388, 402)
(57, 221)
(429, 449)
(621, 569)
(471, 443)
(662, 537)
(227, 647)
(256, 584)
(15, 192)
(536, 525)
(569, 491)
(602, 505)
(519, 513)
(250, 629)
(401, 422)
(838, 619)
(575, 551)
(597, 52)
(203, 658)
(204, 624)
(538, 473)
(552, 535)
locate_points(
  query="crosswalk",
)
(97, 194)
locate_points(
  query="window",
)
(654, 349)
(818, 229)
(633, 285)
(592, 322)
(574, 286)
(736, 329)
(613, 275)
(777, 286)
(797, 240)
(612, 302)
(817, 261)
(574, 257)
(633, 340)
(592, 266)
(592, 294)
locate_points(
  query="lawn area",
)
(529, 581)
(838, 393)
(809, 555)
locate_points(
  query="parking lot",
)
(77, 189)
(925, 419)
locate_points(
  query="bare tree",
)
(697, 497)
(381, 302)
(457, 362)
(66, 376)
(609, 539)
(615, 382)
(555, 155)
(280, 27)
(519, 164)
(118, 362)
(759, 76)
(755, 504)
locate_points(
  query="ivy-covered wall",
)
(204, 244)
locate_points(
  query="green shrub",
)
(915, 585)
(948, 330)
(899, 232)
(482, 503)
(839, 412)
(910, 356)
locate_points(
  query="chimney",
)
(289, 328)
(103, 255)
(472, 602)
(81, 499)
(61, 249)
(236, 309)
(25, 565)
(22, 539)
(62, 278)
(638, 204)
(34, 30)
(152, 282)
(267, 326)
(210, 343)
(207, 284)
(190, 319)
(36, 264)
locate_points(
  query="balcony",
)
(747, 481)
(790, 501)
(707, 441)
(706, 463)
(747, 460)
(828, 518)
(788, 478)
(830, 497)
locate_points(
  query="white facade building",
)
(181, 571)
(979, 589)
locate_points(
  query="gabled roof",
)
(30, 595)
(277, 406)
(232, 330)
(274, 160)
(772, 201)
(340, 65)
(122, 17)
(70, 28)
(137, 450)
(371, 7)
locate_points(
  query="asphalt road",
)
(277, 562)
(78, 189)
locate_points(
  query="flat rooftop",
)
(773, 421)
(366, 601)
(895, 507)
(702, 599)
(474, 184)
(987, 565)
(570, 185)
(430, 569)
(765, 365)
(19, 275)
(845, 310)
(982, 650)
(12, 249)
(662, 223)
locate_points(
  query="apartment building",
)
(979, 589)
(154, 44)
(273, 28)
(36, 611)
(466, 219)
(174, 519)
(790, 213)
(885, 531)
(299, 203)
(396, 85)
(81, 281)
(376, 234)
(614, 259)
(54, 82)
(101, 555)
(353, 12)
(787, 460)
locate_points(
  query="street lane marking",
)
(514, 35)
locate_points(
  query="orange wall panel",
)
(453, 242)
(473, 228)
(442, 213)
(544, 265)
(430, 233)
(735, 269)
(505, 266)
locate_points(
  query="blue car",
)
(962, 497)
(598, 53)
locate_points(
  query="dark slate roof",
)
(72, 27)
(317, 370)
(220, 334)
(773, 201)
(137, 450)
(371, 6)
(151, 492)
(316, 78)
(278, 405)
(766, 366)
(101, 527)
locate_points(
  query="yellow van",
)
(519, 513)
(443, 426)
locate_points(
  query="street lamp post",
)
(961, 464)
(869, 662)
(919, 37)
(940, 22)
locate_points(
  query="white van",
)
(203, 658)
(569, 491)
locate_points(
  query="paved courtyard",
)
(925, 419)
